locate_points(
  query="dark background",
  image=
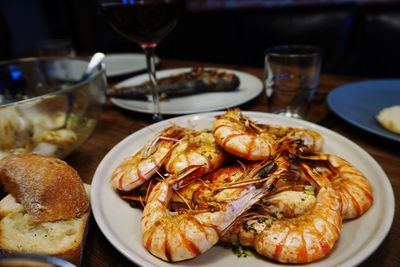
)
(358, 37)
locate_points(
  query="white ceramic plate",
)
(121, 224)
(250, 87)
(122, 64)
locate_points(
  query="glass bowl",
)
(45, 108)
(32, 260)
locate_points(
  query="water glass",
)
(291, 78)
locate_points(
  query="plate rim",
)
(131, 70)
(356, 86)
(357, 258)
(257, 91)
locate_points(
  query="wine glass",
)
(145, 22)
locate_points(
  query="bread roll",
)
(48, 188)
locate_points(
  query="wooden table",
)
(115, 124)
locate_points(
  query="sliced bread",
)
(19, 232)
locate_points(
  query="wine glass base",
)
(290, 114)
(157, 117)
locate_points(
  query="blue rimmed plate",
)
(358, 103)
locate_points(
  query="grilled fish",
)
(195, 81)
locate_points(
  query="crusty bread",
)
(389, 118)
(19, 232)
(48, 188)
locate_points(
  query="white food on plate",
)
(389, 118)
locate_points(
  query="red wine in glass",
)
(145, 22)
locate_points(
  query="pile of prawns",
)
(262, 186)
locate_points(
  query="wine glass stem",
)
(151, 67)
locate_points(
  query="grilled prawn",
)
(195, 148)
(309, 140)
(238, 135)
(136, 170)
(352, 185)
(302, 239)
(242, 137)
(176, 236)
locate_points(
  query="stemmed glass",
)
(145, 22)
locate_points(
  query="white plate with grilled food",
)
(249, 87)
(359, 238)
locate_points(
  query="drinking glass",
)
(145, 22)
(291, 78)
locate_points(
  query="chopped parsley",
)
(249, 228)
(278, 214)
(310, 190)
(240, 251)
(265, 220)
